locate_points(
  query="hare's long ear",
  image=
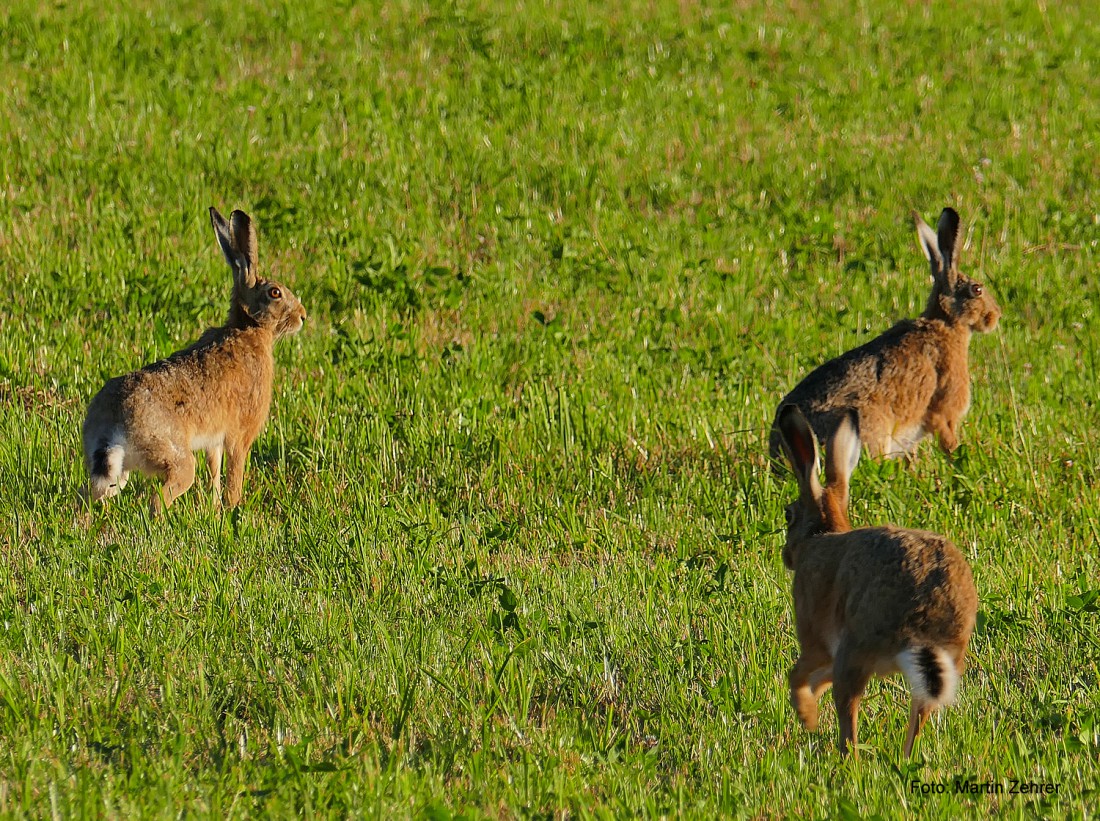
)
(800, 445)
(841, 457)
(930, 244)
(244, 237)
(947, 234)
(244, 275)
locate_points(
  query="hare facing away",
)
(213, 396)
(873, 601)
(914, 379)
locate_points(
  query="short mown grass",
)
(510, 544)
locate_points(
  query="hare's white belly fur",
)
(210, 442)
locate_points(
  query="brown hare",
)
(914, 379)
(213, 396)
(873, 601)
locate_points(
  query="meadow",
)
(510, 545)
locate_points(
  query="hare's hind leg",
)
(918, 714)
(809, 677)
(851, 672)
(178, 475)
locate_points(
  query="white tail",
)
(106, 476)
(931, 673)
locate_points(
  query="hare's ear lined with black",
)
(929, 243)
(243, 270)
(800, 445)
(244, 237)
(224, 232)
(947, 235)
(842, 456)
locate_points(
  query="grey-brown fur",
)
(213, 396)
(914, 379)
(873, 601)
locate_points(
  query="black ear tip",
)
(789, 411)
(798, 437)
(791, 422)
(787, 415)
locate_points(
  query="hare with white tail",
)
(873, 601)
(213, 396)
(914, 379)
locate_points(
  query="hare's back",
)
(907, 585)
(848, 381)
(201, 388)
(888, 381)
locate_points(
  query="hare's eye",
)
(275, 293)
(975, 290)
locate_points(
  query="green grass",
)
(509, 543)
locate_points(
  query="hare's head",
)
(818, 509)
(955, 296)
(256, 301)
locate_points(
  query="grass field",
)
(509, 544)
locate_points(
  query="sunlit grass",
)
(509, 543)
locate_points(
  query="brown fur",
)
(867, 602)
(213, 396)
(914, 379)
